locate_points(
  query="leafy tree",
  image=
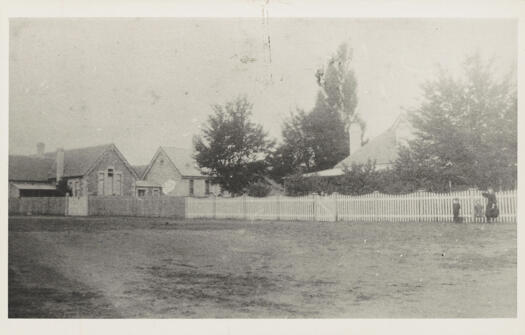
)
(232, 149)
(466, 132)
(259, 189)
(359, 179)
(319, 139)
(338, 85)
(296, 152)
(327, 135)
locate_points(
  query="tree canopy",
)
(466, 131)
(318, 139)
(232, 149)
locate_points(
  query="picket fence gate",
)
(418, 206)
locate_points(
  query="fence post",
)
(316, 206)
(66, 210)
(244, 207)
(214, 206)
(335, 196)
(419, 199)
(471, 203)
(278, 207)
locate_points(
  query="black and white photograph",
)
(262, 167)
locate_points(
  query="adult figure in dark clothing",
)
(456, 207)
(491, 211)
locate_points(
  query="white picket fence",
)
(419, 206)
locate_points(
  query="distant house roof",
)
(29, 168)
(34, 186)
(77, 162)
(325, 173)
(382, 149)
(183, 160)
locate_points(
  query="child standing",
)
(478, 212)
(456, 207)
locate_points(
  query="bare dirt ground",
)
(154, 268)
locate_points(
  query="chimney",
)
(355, 137)
(40, 148)
(60, 164)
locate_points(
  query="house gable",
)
(110, 174)
(163, 171)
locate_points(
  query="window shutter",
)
(108, 183)
(118, 184)
(100, 183)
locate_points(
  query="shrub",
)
(259, 189)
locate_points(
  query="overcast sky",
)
(141, 83)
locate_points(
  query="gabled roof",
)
(29, 168)
(77, 162)
(382, 149)
(181, 158)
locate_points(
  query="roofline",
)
(112, 146)
(30, 181)
(392, 127)
(146, 171)
(161, 148)
(171, 161)
(195, 177)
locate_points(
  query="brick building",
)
(29, 176)
(97, 170)
(176, 171)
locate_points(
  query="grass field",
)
(153, 268)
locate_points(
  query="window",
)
(141, 192)
(191, 186)
(100, 183)
(207, 186)
(155, 192)
(117, 188)
(108, 181)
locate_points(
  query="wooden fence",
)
(37, 206)
(163, 206)
(158, 206)
(419, 206)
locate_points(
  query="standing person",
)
(491, 211)
(478, 212)
(456, 207)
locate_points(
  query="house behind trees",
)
(382, 149)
